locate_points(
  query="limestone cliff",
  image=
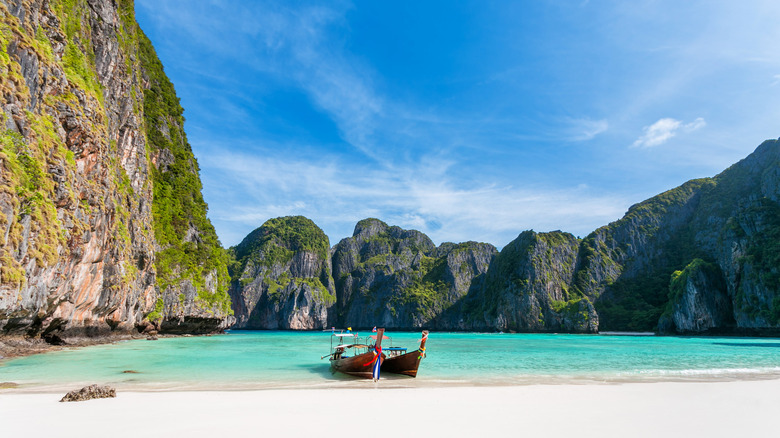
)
(730, 222)
(698, 301)
(85, 248)
(375, 268)
(529, 288)
(399, 279)
(624, 267)
(282, 276)
(702, 257)
(385, 275)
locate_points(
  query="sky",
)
(467, 120)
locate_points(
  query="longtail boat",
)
(355, 359)
(400, 362)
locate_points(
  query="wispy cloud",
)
(664, 129)
(587, 129)
(481, 153)
(425, 197)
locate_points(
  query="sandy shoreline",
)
(714, 409)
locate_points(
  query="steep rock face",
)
(529, 288)
(373, 269)
(192, 266)
(731, 221)
(698, 302)
(77, 221)
(385, 275)
(624, 267)
(738, 227)
(73, 160)
(282, 276)
(458, 271)
(398, 278)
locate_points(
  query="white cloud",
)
(776, 80)
(422, 196)
(664, 129)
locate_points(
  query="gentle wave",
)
(712, 371)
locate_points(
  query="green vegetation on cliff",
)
(729, 218)
(79, 57)
(635, 302)
(189, 243)
(679, 279)
(428, 290)
(531, 264)
(277, 240)
(764, 252)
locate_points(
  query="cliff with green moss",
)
(192, 266)
(282, 276)
(529, 288)
(385, 275)
(398, 278)
(103, 229)
(700, 258)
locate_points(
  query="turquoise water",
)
(253, 360)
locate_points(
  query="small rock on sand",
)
(89, 392)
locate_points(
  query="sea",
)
(250, 360)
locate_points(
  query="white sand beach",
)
(712, 409)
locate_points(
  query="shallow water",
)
(269, 359)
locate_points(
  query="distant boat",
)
(398, 361)
(350, 357)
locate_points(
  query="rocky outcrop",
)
(624, 267)
(86, 249)
(398, 278)
(192, 266)
(385, 275)
(738, 228)
(529, 288)
(698, 302)
(702, 257)
(375, 268)
(731, 221)
(465, 267)
(282, 277)
(89, 393)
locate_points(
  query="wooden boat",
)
(361, 360)
(400, 362)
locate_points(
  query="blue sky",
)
(468, 120)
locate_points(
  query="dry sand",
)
(717, 409)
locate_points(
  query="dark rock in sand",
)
(89, 392)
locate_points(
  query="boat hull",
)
(405, 364)
(360, 366)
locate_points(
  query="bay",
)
(243, 360)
